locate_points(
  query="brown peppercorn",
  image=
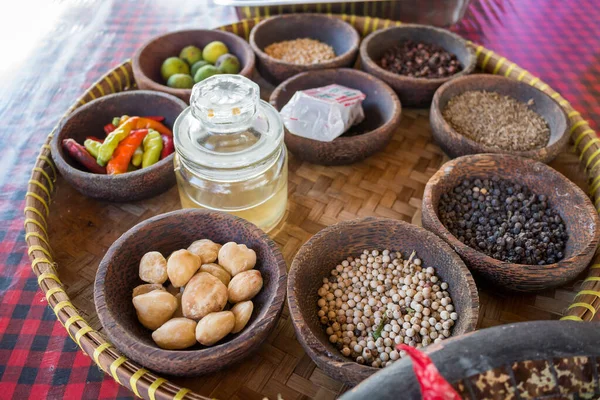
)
(420, 60)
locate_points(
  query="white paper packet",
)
(323, 113)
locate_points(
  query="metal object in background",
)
(430, 12)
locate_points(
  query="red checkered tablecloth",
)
(54, 50)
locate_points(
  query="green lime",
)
(197, 65)
(213, 51)
(191, 54)
(180, 81)
(228, 64)
(172, 66)
(205, 72)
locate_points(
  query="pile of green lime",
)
(194, 65)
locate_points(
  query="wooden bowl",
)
(413, 92)
(515, 361)
(333, 31)
(89, 119)
(118, 274)
(454, 144)
(573, 205)
(148, 59)
(317, 257)
(382, 116)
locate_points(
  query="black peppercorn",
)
(505, 221)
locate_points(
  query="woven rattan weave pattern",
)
(67, 235)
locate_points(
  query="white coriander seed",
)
(380, 294)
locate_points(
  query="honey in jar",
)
(230, 155)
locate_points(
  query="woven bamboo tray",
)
(68, 234)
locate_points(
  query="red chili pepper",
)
(433, 385)
(80, 154)
(157, 118)
(122, 155)
(108, 128)
(134, 123)
(168, 146)
(95, 139)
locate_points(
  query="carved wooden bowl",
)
(455, 144)
(573, 205)
(118, 274)
(526, 360)
(413, 92)
(148, 59)
(382, 116)
(317, 257)
(89, 119)
(333, 31)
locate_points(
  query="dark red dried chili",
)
(81, 155)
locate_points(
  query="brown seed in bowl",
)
(153, 268)
(455, 144)
(182, 265)
(340, 35)
(146, 288)
(154, 308)
(420, 60)
(214, 327)
(242, 312)
(413, 91)
(303, 51)
(236, 258)
(244, 286)
(176, 334)
(217, 271)
(206, 249)
(203, 295)
(118, 275)
(498, 121)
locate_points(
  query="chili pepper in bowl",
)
(133, 123)
(92, 146)
(145, 123)
(153, 145)
(155, 118)
(124, 152)
(433, 385)
(138, 155)
(118, 121)
(111, 142)
(80, 154)
(168, 146)
(108, 128)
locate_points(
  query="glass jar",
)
(230, 155)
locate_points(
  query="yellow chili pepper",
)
(153, 145)
(136, 160)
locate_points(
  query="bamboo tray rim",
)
(146, 384)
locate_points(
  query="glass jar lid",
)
(227, 126)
